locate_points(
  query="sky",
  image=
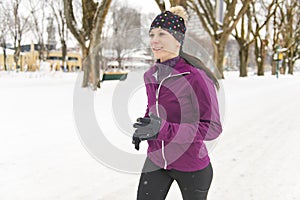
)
(146, 5)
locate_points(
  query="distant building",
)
(73, 61)
(10, 63)
(36, 47)
(29, 59)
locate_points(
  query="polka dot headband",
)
(172, 23)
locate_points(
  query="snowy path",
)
(257, 157)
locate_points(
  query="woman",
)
(182, 112)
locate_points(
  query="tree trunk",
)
(85, 66)
(259, 52)
(91, 66)
(63, 51)
(97, 66)
(261, 64)
(41, 50)
(17, 54)
(244, 60)
(274, 63)
(4, 57)
(291, 70)
(161, 5)
(290, 66)
(291, 54)
(282, 68)
(219, 51)
(260, 67)
(94, 75)
(182, 3)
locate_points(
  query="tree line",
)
(270, 27)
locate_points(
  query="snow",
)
(259, 59)
(218, 32)
(283, 49)
(220, 23)
(43, 155)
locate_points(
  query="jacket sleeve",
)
(208, 126)
(147, 111)
(147, 82)
(183, 133)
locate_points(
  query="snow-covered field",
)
(42, 155)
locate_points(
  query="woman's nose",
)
(154, 39)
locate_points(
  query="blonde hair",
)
(180, 11)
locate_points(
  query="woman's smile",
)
(157, 48)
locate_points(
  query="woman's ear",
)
(178, 44)
(178, 47)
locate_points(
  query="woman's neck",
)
(169, 58)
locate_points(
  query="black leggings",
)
(156, 182)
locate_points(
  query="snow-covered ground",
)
(42, 155)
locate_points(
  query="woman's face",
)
(163, 45)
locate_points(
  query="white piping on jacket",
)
(157, 112)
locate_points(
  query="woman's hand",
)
(147, 128)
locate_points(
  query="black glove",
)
(146, 129)
(136, 141)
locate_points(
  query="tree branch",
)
(71, 22)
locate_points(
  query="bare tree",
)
(161, 4)
(219, 32)
(37, 11)
(276, 27)
(285, 34)
(89, 35)
(18, 25)
(4, 29)
(289, 15)
(58, 12)
(297, 38)
(260, 41)
(242, 35)
(126, 34)
(179, 3)
(3, 44)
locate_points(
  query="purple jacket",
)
(187, 103)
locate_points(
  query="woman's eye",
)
(151, 35)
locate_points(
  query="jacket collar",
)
(180, 67)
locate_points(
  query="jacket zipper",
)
(157, 112)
